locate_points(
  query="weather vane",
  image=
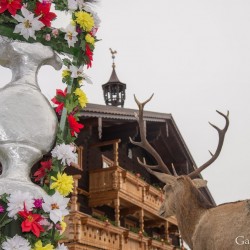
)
(113, 52)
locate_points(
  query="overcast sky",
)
(195, 57)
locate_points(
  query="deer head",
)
(176, 187)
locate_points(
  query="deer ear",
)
(199, 183)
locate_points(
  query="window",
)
(79, 162)
(130, 153)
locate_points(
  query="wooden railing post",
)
(77, 228)
(121, 238)
(141, 220)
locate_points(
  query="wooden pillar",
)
(115, 152)
(117, 211)
(141, 220)
(73, 199)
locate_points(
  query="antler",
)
(144, 142)
(221, 133)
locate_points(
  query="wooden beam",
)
(105, 143)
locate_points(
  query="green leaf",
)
(5, 222)
(67, 62)
(46, 188)
(60, 98)
(83, 44)
(4, 198)
(59, 138)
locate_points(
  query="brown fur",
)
(207, 227)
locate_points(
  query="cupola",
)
(114, 90)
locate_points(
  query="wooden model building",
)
(115, 201)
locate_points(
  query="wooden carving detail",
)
(202, 225)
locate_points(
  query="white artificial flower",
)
(61, 247)
(65, 153)
(85, 7)
(97, 20)
(78, 4)
(28, 24)
(72, 5)
(75, 71)
(16, 202)
(87, 79)
(45, 1)
(56, 206)
(16, 243)
(71, 35)
(78, 72)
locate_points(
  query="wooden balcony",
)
(86, 233)
(108, 183)
(89, 232)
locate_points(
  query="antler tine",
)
(174, 171)
(142, 104)
(221, 133)
(144, 142)
(144, 164)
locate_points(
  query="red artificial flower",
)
(31, 222)
(11, 5)
(89, 54)
(43, 10)
(60, 106)
(74, 125)
(42, 171)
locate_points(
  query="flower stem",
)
(3, 218)
(53, 234)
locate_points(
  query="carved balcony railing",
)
(84, 233)
(130, 187)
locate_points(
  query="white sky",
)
(195, 56)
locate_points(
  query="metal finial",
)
(113, 52)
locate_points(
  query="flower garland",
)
(30, 20)
(38, 222)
